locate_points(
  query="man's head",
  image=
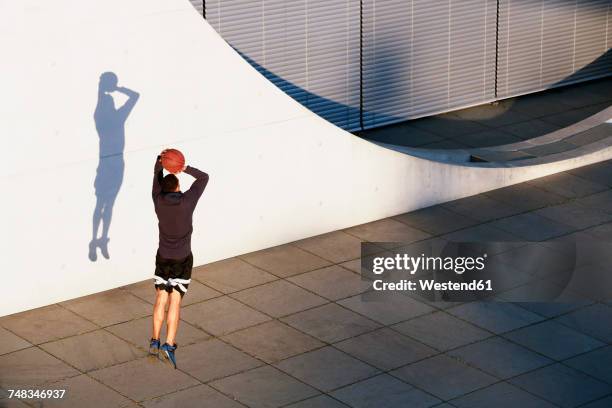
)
(170, 184)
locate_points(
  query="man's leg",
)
(173, 316)
(158, 312)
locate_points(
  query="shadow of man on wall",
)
(110, 125)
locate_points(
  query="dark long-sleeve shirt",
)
(175, 212)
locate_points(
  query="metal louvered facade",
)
(422, 57)
(309, 49)
(367, 63)
(198, 5)
(549, 43)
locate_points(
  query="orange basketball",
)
(173, 160)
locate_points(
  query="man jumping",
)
(174, 260)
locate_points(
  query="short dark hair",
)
(169, 183)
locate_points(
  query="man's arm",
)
(158, 175)
(198, 186)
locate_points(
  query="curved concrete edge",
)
(462, 156)
(279, 173)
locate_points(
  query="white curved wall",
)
(278, 172)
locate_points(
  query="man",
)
(174, 260)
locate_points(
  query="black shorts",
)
(173, 274)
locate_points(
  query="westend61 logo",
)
(411, 264)
(440, 270)
(438, 265)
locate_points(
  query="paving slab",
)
(109, 307)
(500, 358)
(384, 391)
(567, 185)
(540, 105)
(46, 324)
(602, 232)
(592, 281)
(552, 309)
(321, 401)
(213, 359)
(285, 260)
(10, 342)
(272, 341)
(332, 282)
(436, 220)
(597, 363)
(530, 129)
(497, 239)
(138, 332)
(385, 349)
(491, 137)
(326, 368)
(575, 215)
(386, 308)
(264, 387)
(554, 340)
(598, 173)
(500, 395)
(562, 385)
(569, 117)
(330, 323)
(441, 331)
(497, 317)
(30, 367)
(6, 402)
(532, 226)
(578, 96)
(450, 143)
(538, 259)
(336, 246)
(93, 350)
(83, 391)
(605, 402)
(443, 377)
(589, 136)
(200, 396)
(549, 148)
(589, 320)
(355, 264)
(222, 315)
(598, 201)
(279, 298)
(448, 125)
(481, 208)
(402, 134)
(525, 196)
(231, 275)
(526, 297)
(387, 230)
(491, 113)
(144, 378)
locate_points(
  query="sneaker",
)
(154, 347)
(168, 351)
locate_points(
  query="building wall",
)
(362, 64)
(278, 172)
